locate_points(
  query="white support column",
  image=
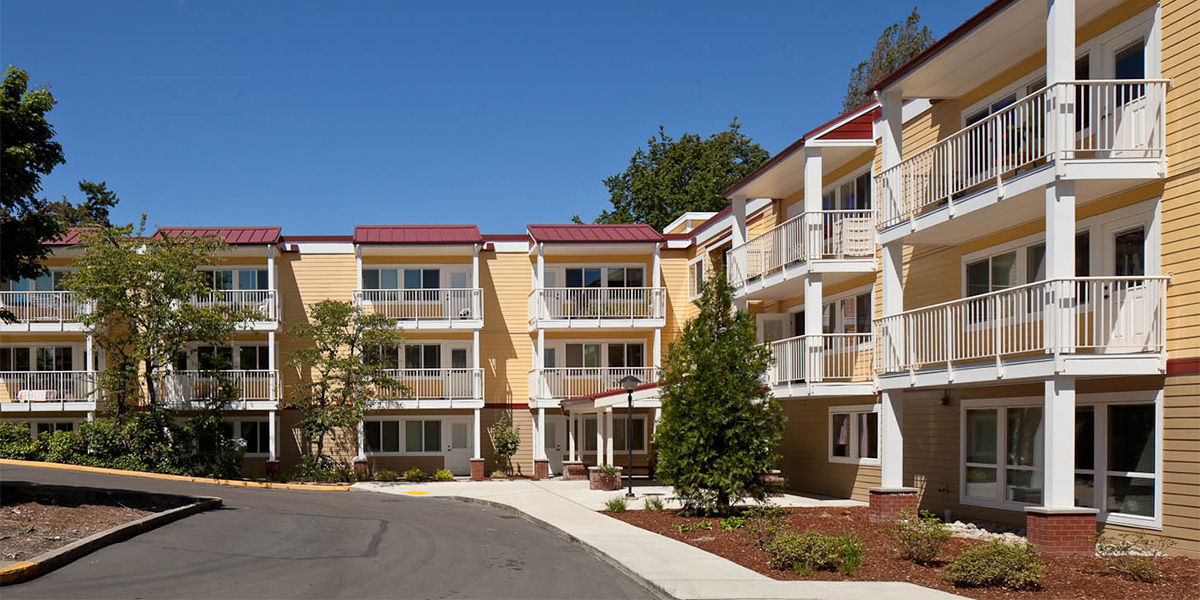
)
(814, 298)
(891, 142)
(1060, 263)
(813, 238)
(89, 359)
(659, 302)
(271, 366)
(541, 266)
(891, 441)
(892, 278)
(271, 279)
(608, 436)
(571, 436)
(272, 437)
(657, 416)
(476, 298)
(657, 349)
(478, 453)
(1060, 66)
(739, 259)
(599, 438)
(358, 261)
(362, 441)
(1058, 427)
(540, 450)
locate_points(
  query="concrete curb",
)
(654, 588)
(184, 478)
(26, 570)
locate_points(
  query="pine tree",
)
(719, 423)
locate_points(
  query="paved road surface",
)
(296, 544)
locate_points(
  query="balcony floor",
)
(1026, 370)
(600, 323)
(788, 282)
(824, 389)
(46, 407)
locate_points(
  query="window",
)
(626, 355)
(583, 278)
(53, 358)
(382, 437)
(1130, 61)
(589, 434)
(413, 278)
(1131, 253)
(848, 315)
(854, 434)
(695, 277)
(423, 356)
(583, 355)
(256, 435)
(213, 358)
(619, 431)
(1018, 478)
(854, 194)
(422, 436)
(619, 277)
(46, 282)
(52, 426)
(1130, 473)
(14, 359)
(991, 274)
(254, 358)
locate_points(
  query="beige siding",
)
(804, 452)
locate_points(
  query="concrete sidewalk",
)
(671, 567)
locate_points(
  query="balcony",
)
(191, 390)
(1079, 326)
(426, 309)
(42, 311)
(1115, 140)
(36, 391)
(833, 364)
(435, 388)
(261, 303)
(769, 266)
(562, 383)
(568, 308)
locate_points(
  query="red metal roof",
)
(594, 234)
(70, 238)
(417, 234)
(238, 236)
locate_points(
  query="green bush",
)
(386, 475)
(1134, 556)
(852, 552)
(16, 443)
(920, 536)
(498, 474)
(732, 522)
(996, 564)
(701, 525)
(63, 447)
(653, 503)
(443, 475)
(506, 440)
(415, 474)
(802, 552)
(616, 504)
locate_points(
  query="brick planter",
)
(477, 469)
(596, 481)
(360, 468)
(886, 503)
(273, 470)
(574, 471)
(1062, 530)
(541, 468)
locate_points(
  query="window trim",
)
(853, 410)
(694, 283)
(1099, 468)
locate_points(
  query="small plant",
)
(415, 474)
(498, 474)
(810, 550)
(616, 504)
(506, 440)
(690, 527)
(386, 475)
(732, 522)
(653, 503)
(607, 471)
(996, 564)
(1133, 555)
(853, 554)
(443, 475)
(920, 536)
(764, 521)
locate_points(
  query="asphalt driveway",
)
(299, 544)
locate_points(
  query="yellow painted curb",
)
(208, 480)
(417, 493)
(17, 571)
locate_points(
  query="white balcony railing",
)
(47, 386)
(437, 384)
(825, 234)
(830, 357)
(261, 302)
(43, 307)
(596, 303)
(441, 304)
(572, 382)
(1082, 315)
(1113, 120)
(201, 386)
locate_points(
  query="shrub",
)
(443, 475)
(506, 440)
(732, 522)
(852, 552)
(920, 536)
(63, 447)
(996, 564)
(415, 474)
(386, 475)
(802, 552)
(653, 503)
(16, 442)
(764, 521)
(1133, 555)
(498, 474)
(608, 471)
(616, 504)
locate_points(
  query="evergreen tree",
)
(898, 44)
(719, 423)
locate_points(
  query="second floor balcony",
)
(823, 364)
(261, 303)
(42, 310)
(1090, 326)
(561, 383)
(1108, 135)
(247, 389)
(35, 391)
(597, 307)
(434, 388)
(428, 308)
(769, 266)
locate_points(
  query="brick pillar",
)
(574, 471)
(886, 503)
(1061, 530)
(360, 468)
(541, 468)
(477, 470)
(273, 470)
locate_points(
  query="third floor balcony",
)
(42, 310)
(596, 307)
(426, 308)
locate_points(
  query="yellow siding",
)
(804, 452)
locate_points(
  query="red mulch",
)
(30, 528)
(1074, 577)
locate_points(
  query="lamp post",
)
(629, 382)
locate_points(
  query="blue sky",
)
(317, 116)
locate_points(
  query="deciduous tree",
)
(898, 43)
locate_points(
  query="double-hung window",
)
(854, 434)
(695, 277)
(619, 433)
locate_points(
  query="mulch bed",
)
(1074, 577)
(30, 526)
